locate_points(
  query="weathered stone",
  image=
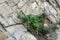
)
(10, 22)
(40, 6)
(35, 8)
(19, 34)
(58, 32)
(37, 11)
(31, 9)
(34, 5)
(58, 15)
(7, 21)
(26, 9)
(8, 15)
(29, 3)
(3, 21)
(52, 18)
(14, 18)
(23, 2)
(20, 4)
(15, 8)
(13, 2)
(17, 31)
(53, 3)
(5, 9)
(9, 38)
(50, 11)
(16, 28)
(58, 3)
(1, 1)
(28, 36)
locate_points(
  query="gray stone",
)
(50, 11)
(37, 11)
(10, 21)
(15, 8)
(3, 21)
(40, 6)
(26, 9)
(5, 10)
(10, 38)
(58, 1)
(16, 28)
(14, 18)
(53, 3)
(34, 5)
(22, 3)
(28, 36)
(17, 31)
(52, 18)
(35, 8)
(13, 2)
(58, 15)
(1, 1)
(32, 8)
(58, 33)
(20, 33)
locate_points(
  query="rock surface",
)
(20, 33)
(8, 15)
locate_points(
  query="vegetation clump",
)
(35, 22)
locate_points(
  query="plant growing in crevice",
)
(35, 22)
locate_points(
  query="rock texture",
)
(8, 15)
(20, 33)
